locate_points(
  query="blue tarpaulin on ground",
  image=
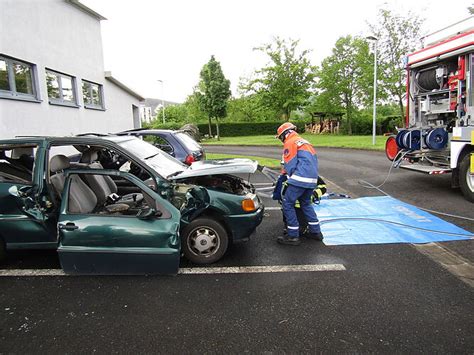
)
(353, 229)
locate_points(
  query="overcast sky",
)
(148, 40)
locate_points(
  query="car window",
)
(98, 157)
(93, 194)
(190, 143)
(159, 142)
(68, 150)
(163, 163)
(156, 140)
(17, 162)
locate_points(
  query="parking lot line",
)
(32, 272)
(261, 269)
(195, 271)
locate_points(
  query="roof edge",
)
(109, 77)
(87, 10)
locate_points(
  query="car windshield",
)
(163, 163)
(190, 143)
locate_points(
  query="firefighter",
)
(280, 189)
(301, 166)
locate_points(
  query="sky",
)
(146, 41)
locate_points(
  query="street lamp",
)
(374, 117)
(162, 98)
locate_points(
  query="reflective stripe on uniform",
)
(289, 227)
(304, 179)
(313, 223)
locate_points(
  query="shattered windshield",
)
(163, 163)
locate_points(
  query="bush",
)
(238, 129)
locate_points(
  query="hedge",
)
(237, 129)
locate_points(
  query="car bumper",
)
(242, 226)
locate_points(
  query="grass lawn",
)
(358, 142)
(268, 162)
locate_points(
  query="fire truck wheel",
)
(466, 180)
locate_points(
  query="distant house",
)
(150, 107)
(52, 78)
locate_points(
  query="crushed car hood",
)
(218, 167)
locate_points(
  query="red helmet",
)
(283, 128)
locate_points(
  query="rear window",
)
(17, 162)
(190, 143)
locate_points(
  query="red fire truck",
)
(438, 137)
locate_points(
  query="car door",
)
(109, 243)
(25, 219)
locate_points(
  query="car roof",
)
(69, 139)
(153, 130)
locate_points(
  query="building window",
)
(17, 79)
(93, 95)
(61, 89)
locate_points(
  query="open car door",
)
(142, 238)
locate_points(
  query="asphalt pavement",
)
(388, 298)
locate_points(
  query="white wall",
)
(56, 35)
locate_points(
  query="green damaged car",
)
(119, 205)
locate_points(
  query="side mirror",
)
(19, 192)
(13, 190)
(148, 213)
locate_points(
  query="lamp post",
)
(374, 115)
(162, 98)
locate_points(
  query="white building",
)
(52, 79)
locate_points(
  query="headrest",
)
(58, 162)
(18, 152)
(89, 156)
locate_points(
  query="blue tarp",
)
(356, 231)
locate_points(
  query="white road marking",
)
(262, 269)
(194, 271)
(32, 272)
(272, 208)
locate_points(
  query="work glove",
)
(277, 191)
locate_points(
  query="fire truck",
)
(438, 137)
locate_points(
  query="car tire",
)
(466, 180)
(204, 241)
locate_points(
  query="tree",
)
(214, 91)
(249, 109)
(174, 113)
(397, 36)
(284, 84)
(195, 113)
(344, 78)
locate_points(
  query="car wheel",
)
(204, 241)
(466, 180)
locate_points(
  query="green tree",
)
(173, 113)
(398, 35)
(249, 108)
(195, 113)
(214, 92)
(284, 84)
(344, 78)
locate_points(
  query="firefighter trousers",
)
(303, 195)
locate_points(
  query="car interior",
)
(95, 193)
(17, 163)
